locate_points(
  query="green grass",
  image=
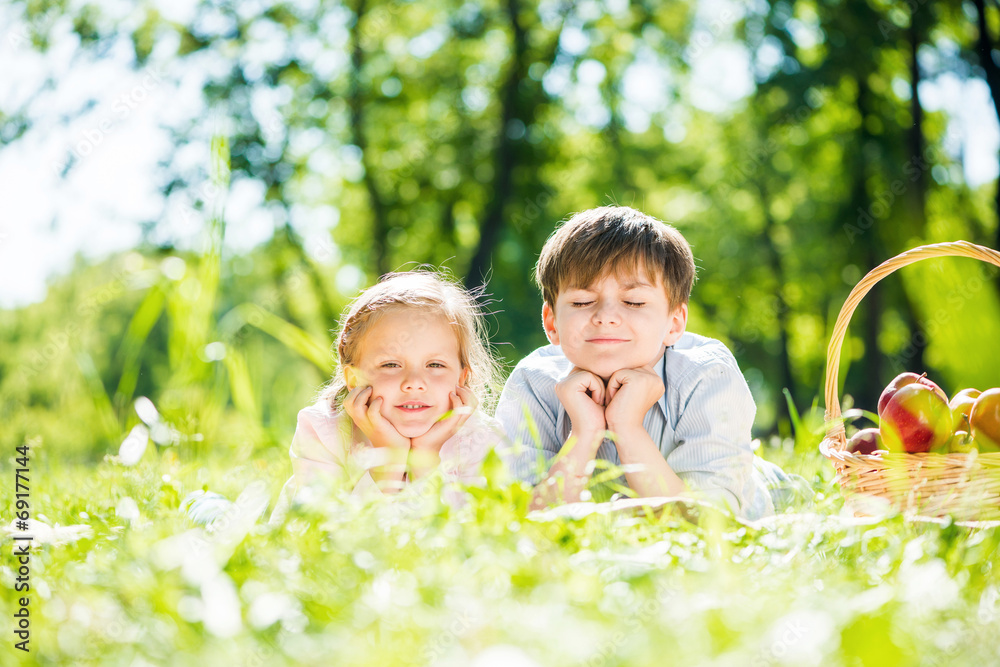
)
(416, 582)
(150, 578)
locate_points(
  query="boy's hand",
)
(366, 413)
(582, 394)
(631, 393)
(463, 404)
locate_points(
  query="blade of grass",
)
(294, 338)
(102, 403)
(145, 317)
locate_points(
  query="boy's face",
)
(614, 323)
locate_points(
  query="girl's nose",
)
(414, 381)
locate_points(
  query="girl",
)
(413, 369)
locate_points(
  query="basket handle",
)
(835, 428)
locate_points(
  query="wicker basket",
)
(964, 486)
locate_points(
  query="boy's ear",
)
(351, 376)
(549, 323)
(678, 324)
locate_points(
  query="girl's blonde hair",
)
(430, 293)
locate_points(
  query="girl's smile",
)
(412, 362)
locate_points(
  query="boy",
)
(615, 284)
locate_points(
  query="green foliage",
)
(459, 134)
(154, 326)
(415, 581)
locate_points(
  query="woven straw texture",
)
(964, 486)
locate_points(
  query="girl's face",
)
(411, 360)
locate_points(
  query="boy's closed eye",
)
(630, 304)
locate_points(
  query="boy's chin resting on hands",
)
(618, 404)
(631, 392)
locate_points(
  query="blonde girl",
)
(407, 398)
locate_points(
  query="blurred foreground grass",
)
(412, 581)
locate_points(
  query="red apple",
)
(916, 419)
(865, 441)
(903, 380)
(961, 405)
(985, 421)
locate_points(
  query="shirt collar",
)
(661, 368)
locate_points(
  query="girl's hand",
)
(366, 413)
(463, 404)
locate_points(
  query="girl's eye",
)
(635, 304)
(390, 364)
(436, 364)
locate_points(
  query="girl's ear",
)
(351, 376)
(463, 379)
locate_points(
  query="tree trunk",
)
(380, 225)
(503, 179)
(916, 200)
(915, 135)
(506, 160)
(786, 378)
(984, 48)
(623, 191)
(870, 368)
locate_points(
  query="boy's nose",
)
(607, 314)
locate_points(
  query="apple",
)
(961, 406)
(916, 419)
(985, 421)
(865, 441)
(903, 380)
(961, 443)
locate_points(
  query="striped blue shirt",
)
(701, 423)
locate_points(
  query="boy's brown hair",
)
(619, 240)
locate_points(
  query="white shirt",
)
(701, 424)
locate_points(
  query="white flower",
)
(42, 533)
(127, 509)
(221, 610)
(134, 445)
(147, 411)
(503, 655)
